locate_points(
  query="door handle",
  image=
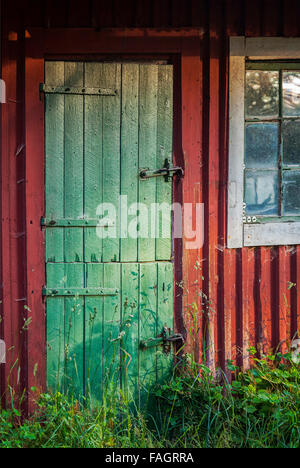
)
(167, 171)
(165, 339)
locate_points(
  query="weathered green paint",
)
(93, 160)
(129, 152)
(111, 154)
(104, 296)
(165, 298)
(147, 155)
(130, 318)
(164, 150)
(73, 167)
(74, 330)
(94, 337)
(148, 326)
(55, 330)
(54, 177)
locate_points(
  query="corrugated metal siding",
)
(247, 288)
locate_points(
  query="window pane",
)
(291, 94)
(261, 192)
(291, 192)
(291, 142)
(262, 93)
(261, 146)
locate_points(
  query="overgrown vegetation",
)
(194, 408)
(259, 409)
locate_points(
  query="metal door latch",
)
(165, 339)
(167, 172)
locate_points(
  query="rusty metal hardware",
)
(82, 90)
(75, 223)
(167, 172)
(165, 339)
(80, 292)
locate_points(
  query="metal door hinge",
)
(167, 171)
(79, 222)
(77, 90)
(52, 292)
(165, 339)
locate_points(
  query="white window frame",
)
(240, 234)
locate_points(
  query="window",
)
(264, 147)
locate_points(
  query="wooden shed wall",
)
(247, 288)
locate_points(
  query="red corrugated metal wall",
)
(246, 288)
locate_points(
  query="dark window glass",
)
(261, 145)
(291, 193)
(261, 192)
(291, 142)
(272, 141)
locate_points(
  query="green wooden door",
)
(105, 294)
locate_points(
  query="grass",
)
(193, 409)
(259, 409)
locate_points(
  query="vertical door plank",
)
(94, 334)
(54, 180)
(130, 324)
(111, 333)
(147, 158)
(74, 329)
(73, 162)
(93, 160)
(111, 155)
(164, 151)
(129, 157)
(55, 329)
(165, 293)
(148, 327)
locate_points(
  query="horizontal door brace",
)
(84, 91)
(65, 222)
(53, 292)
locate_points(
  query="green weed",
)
(259, 409)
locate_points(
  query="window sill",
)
(271, 234)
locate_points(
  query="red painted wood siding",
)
(246, 287)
